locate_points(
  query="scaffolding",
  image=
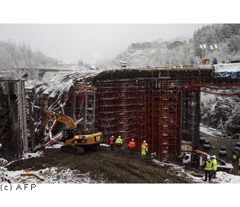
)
(154, 106)
(120, 109)
(81, 103)
(142, 110)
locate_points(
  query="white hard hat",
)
(208, 158)
(132, 139)
(144, 141)
(214, 156)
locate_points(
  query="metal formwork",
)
(190, 120)
(162, 118)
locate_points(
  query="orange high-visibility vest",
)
(132, 144)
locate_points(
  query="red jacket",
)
(111, 141)
(131, 144)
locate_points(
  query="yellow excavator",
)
(73, 141)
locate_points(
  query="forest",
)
(217, 40)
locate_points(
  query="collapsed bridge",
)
(161, 106)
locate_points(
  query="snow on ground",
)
(97, 193)
(51, 175)
(222, 177)
(209, 131)
(74, 186)
(66, 176)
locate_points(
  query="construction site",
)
(159, 105)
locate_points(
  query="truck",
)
(196, 159)
(73, 140)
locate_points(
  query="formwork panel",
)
(190, 120)
(163, 111)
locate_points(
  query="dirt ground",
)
(104, 165)
(108, 166)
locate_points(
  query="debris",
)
(3, 162)
(32, 174)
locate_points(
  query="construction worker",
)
(144, 151)
(131, 146)
(214, 166)
(144, 143)
(118, 143)
(208, 169)
(234, 156)
(111, 142)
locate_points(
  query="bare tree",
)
(14, 56)
(20, 58)
(31, 59)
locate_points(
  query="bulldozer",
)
(73, 140)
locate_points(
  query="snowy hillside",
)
(156, 53)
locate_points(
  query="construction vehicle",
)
(197, 158)
(73, 140)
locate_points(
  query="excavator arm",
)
(68, 121)
(204, 154)
(58, 117)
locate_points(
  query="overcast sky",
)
(73, 42)
(72, 30)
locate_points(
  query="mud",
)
(103, 165)
(106, 166)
